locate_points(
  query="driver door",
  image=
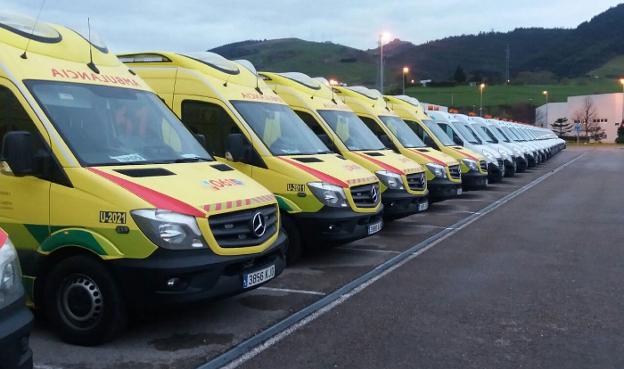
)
(211, 124)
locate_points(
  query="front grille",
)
(483, 165)
(364, 196)
(455, 171)
(236, 229)
(416, 181)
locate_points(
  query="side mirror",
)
(328, 142)
(385, 140)
(18, 152)
(237, 148)
(201, 139)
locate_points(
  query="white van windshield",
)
(116, 126)
(351, 130)
(402, 132)
(439, 133)
(467, 133)
(280, 129)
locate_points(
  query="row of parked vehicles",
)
(151, 179)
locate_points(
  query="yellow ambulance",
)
(473, 166)
(404, 187)
(111, 202)
(325, 198)
(442, 171)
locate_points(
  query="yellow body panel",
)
(283, 175)
(311, 101)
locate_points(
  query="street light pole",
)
(481, 87)
(381, 76)
(405, 72)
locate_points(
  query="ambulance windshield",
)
(116, 126)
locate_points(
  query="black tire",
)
(82, 301)
(295, 243)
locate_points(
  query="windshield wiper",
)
(191, 160)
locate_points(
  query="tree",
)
(460, 75)
(587, 116)
(620, 134)
(561, 127)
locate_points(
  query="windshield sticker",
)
(127, 158)
(90, 76)
(219, 184)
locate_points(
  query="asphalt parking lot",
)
(531, 279)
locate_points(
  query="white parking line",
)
(367, 250)
(288, 290)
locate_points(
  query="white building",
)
(433, 107)
(608, 108)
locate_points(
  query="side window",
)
(310, 122)
(379, 132)
(373, 126)
(209, 122)
(314, 125)
(14, 118)
(420, 132)
(449, 131)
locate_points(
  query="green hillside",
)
(467, 96)
(313, 58)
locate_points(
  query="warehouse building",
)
(605, 112)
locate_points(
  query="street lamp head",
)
(385, 37)
(405, 70)
(482, 86)
(544, 92)
(622, 81)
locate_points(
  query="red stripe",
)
(218, 206)
(439, 162)
(207, 208)
(318, 174)
(382, 164)
(248, 201)
(159, 200)
(3, 237)
(228, 205)
(239, 203)
(468, 155)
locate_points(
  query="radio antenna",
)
(91, 64)
(24, 54)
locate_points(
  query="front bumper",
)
(495, 172)
(474, 180)
(198, 275)
(399, 203)
(15, 325)
(442, 189)
(330, 226)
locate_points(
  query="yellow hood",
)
(430, 155)
(330, 168)
(191, 188)
(388, 160)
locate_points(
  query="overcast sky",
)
(192, 25)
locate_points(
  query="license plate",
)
(459, 191)
(423, 206)
(259, 276)
(375, 227)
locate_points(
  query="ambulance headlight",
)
(471, 164)
(329, 194)
(168, 229)
(11, 288)
(392, 180)
(437, 170)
